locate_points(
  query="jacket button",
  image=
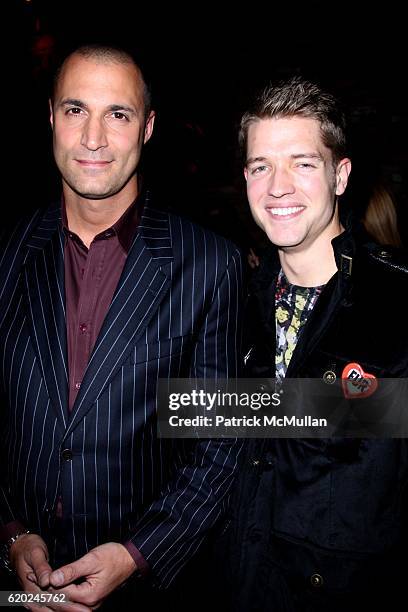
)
(67, 454)
(316, 580)
(329, 377)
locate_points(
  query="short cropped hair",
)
(108, 53)
(297, 97)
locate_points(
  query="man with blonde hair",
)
(319, 525)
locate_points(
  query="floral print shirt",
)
(293, 305)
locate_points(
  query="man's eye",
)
(120, 116)
(306, 165)
(74, 111)
(258, 169)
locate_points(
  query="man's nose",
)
(93, 134)
(280, 183)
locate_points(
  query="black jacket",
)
(319, 524)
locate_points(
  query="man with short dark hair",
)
(319, 524)
(102, 295)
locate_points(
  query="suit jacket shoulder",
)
(14, 240)
(192, 236)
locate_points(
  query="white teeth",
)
(285, 211)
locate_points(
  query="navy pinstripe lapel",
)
(45, 303)
(143, 283)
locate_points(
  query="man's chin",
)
(284, 242)
(92, 193)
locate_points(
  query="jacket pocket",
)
(142, 353)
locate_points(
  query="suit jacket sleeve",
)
(173, 527)
(12, 252)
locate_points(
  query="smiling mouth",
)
(287, 211)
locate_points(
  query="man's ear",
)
(246, 173)
(51, 114)
(149, 126)
(342, 174)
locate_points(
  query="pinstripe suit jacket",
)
(175, 312)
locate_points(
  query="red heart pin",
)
(357, 383)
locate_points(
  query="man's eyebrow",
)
(121, 107)
(112, 108)
(253, 160)
(72, 102)
(307, 156)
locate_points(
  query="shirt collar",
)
(124, 228)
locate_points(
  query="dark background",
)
(205, 61)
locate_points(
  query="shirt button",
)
(329, 377)
(83, 327)
(66, 454)
(77, 385)
(316, 580)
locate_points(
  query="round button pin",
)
(329, 377)
(316, 580)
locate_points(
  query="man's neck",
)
(312, 265)
(88, 218)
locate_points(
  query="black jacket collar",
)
(345, 246)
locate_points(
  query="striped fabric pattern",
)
(176, 312)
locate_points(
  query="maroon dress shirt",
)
(91, 278)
